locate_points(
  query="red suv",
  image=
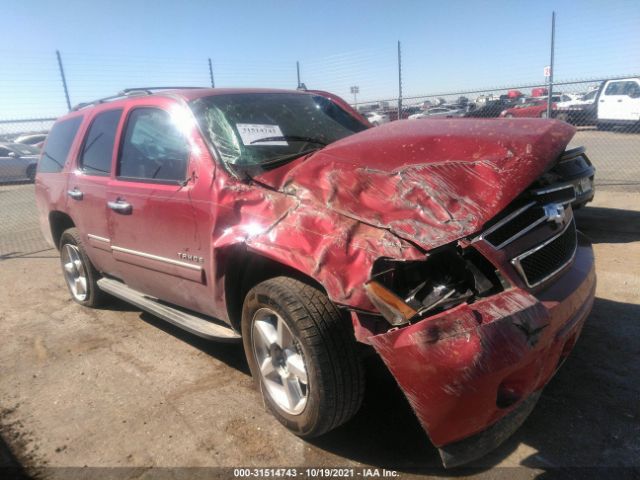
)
(280, 218)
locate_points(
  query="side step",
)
(191, 322)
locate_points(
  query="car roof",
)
(187, 94)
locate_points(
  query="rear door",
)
(631, 102)
(160, 212)
(87, 186)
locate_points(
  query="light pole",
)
(355, 90)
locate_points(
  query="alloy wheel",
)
(281, 363)
(74, 271)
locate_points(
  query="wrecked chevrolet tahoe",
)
(282, 219)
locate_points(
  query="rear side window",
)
(153, 148)
(97, 150)
(58, 144)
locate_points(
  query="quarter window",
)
(97, 150)
(58, 144)
(153, 147)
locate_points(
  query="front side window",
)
(615, 88)
(97, 150)
(153, 147)
(58, 144)
(262, 130)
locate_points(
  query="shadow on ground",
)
(609, 225)
(588, 416)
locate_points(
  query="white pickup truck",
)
(619, 103)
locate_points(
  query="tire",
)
(31, 173)
(321, 340)
(78, 271)
(563, 117)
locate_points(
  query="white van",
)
(619, 103)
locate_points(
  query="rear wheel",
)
(302, 356)
(79, 273)
(31, 173)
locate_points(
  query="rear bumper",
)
(467, 368)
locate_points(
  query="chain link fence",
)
(614, 149)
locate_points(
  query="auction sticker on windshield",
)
(255, 133)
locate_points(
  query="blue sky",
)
(447, 46)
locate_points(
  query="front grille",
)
(515, 225)
(544, 261)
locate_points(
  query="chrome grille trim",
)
(517, 261)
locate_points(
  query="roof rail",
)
(127, 92)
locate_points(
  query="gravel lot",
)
(118, 388)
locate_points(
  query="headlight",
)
(406, 291)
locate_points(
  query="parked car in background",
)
(376, 118)
(442, 111)
(489, 109)
(536, 108)
(31, 139)
(583, 111)
(18, 162)
(619, 103)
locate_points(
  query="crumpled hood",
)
(427, 181)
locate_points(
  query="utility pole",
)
(355, 90)
(298, 71)
(399, 82)
(64, 80)
(213, 84)
(553, 39)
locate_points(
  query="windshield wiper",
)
(294, 138)
(286, 158)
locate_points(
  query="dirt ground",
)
(118, 388)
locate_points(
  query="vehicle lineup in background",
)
(18, 162)
(281, 219)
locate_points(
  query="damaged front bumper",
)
(479, 367)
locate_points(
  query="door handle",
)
(601, 101)
(120, 206)
(75, 194)
(619, 100)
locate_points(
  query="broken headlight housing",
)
(406, 291)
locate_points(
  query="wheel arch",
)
(244, 269)
(58, 223)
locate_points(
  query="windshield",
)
(262, 129)
(24, 149)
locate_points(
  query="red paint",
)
(537, 110)
(394, 191)
(451, 366)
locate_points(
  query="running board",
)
(191, 322)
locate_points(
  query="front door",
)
(159, 212)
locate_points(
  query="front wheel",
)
(302, 356)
